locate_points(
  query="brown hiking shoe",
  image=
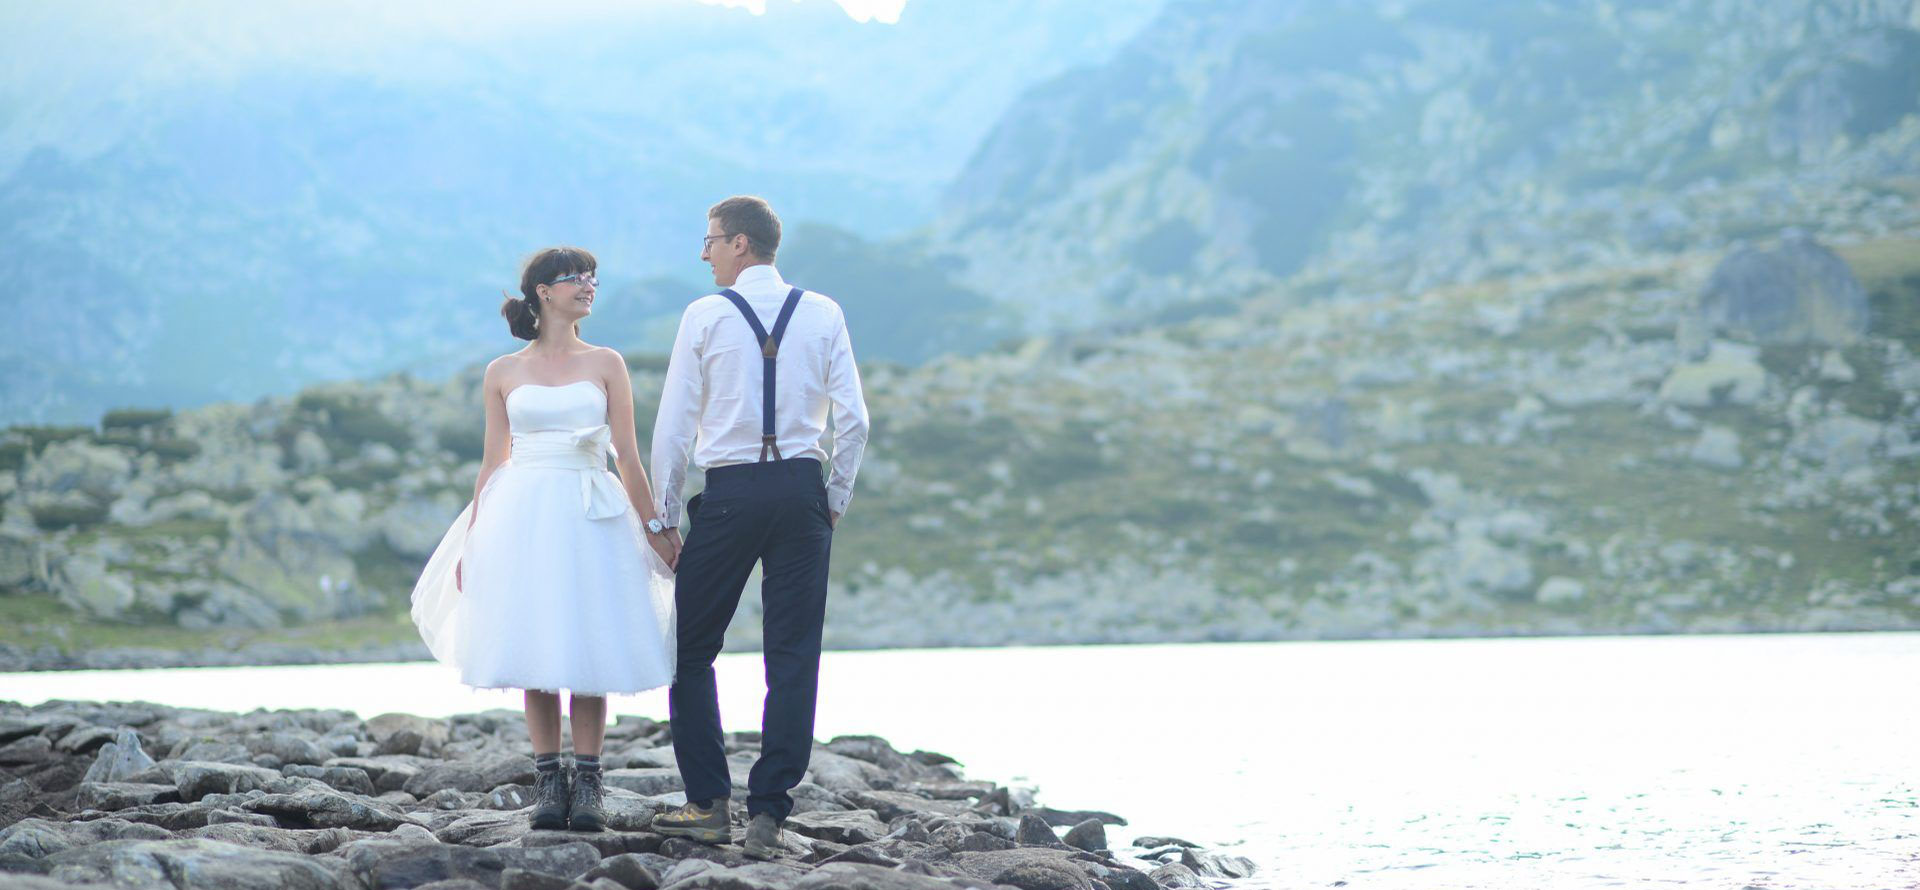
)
(763, 838)
(708, 825)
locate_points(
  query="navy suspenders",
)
(769, 348)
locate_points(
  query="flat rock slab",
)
(198, 778)
(123, 795)
(398, 864)
(855, 876)
(197, 863)
(389, 772)
(24, 844)
(322, 807)
(309, 841)
(476, 776)
(853, 827)
(646, 780)
(891, 805)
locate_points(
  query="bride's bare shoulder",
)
(500, 369)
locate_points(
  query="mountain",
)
(1237, 143)
(211, 202)
(1521, 456)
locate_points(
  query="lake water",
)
(1729, 761)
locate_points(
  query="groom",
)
(755, 371)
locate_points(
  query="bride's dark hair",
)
(523, 315)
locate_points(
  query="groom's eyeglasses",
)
(585, 279)
(708, 241)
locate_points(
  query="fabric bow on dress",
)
(585, 450)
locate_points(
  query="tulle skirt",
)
(548, 598)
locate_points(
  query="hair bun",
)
(522, 318)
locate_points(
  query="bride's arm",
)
(626, 447)
(626, 452)
(497, 445)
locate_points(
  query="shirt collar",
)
(763, 273)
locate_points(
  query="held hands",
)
(666, 545)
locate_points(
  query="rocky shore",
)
(138, 795)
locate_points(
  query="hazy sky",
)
(862, 10)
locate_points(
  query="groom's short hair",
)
(752, 217)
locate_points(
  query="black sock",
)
(546, 763)
(589, 762)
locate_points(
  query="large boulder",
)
(1796, 292)
(77, 465)
(85, 584)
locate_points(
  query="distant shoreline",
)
(15, 659)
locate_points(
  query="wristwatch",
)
(655, 526)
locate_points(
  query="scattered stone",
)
(31, 749)
(628, 870)
(1217, 865)
(1090, 835)
(1034, 831)
(1731, 373)
(352, 780)
(1175, 875)
(1717, 446)
(84, 739)
(119, 758)
(1069, 818)
(1554, 591)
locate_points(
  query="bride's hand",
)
(666, 545)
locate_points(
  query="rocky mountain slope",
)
(1681, 446)
(1236, 143)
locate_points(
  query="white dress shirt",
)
(711, 405)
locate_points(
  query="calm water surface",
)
(1733, 761)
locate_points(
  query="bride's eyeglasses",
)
(585, 279)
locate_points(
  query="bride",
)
(555, 577)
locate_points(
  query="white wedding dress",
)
(559, 588)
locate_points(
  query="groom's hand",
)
(833, 519)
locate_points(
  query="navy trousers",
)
(773, 513)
